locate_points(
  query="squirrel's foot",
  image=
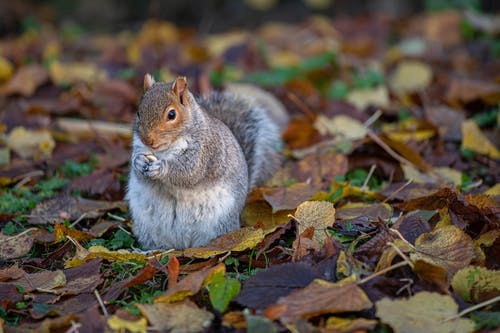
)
(140, 163)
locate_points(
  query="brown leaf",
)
(447, 247)
(320, 167)
(184, 316)
(26, 80)
(267, 286)
(145, 274)
(67, 207)
(322, 297)
(300, 133)
(9, 295)
(45, 281)
(82, 279)
(304, 244)
(16, 246)
(465, 91)
(190, 285)
(173, 271)
(100, 182)
(11, 273)
(287, 198)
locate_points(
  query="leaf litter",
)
(385, 213)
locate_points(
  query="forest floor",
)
(384, 216)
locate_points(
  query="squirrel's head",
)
(164, 112)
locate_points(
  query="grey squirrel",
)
(194, 160)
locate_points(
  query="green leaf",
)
(338, 90)
(221, 291)
(488, 320)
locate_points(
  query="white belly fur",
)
(174, 220)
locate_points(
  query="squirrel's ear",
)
(148, 81)
(180, 88)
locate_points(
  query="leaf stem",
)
(383, 271)
(474, 308)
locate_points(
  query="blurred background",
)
(206, 16)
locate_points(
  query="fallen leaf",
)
(475, 140)
(321, 297)
(66, 207)
(345, 325)
(447, 247)
(410, 76)
(11, 273)
(25, 81)
(267, 286)
(71, 73)
(443, 27)
(318, 214)
(287, 198)
(466, 91)
(423, 312)
(476, 284)
(61, 231)
(82, 279)
(16, 246)
(340, 126)
(6, 69)
(173, 271)
(27, 143)
(190, 285)
(221, 291)
(362, 98)
(236, 240)
(98, 251)
(136, 326)
(448, 121)
(45, 281)
(257, 324)
(178, 317)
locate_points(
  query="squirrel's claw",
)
(153, 169)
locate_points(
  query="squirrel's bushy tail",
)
(257, 125)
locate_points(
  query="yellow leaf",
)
(476, 141)
(137, 326)
(343, 126)
(317, 214)
(237, 240)
(410, 76)
(476, 284)
(98, 251)
(494, 190)
(423, 312)
(6, 69)
(70, 73)
(183, 316)
(341, 325)
(362, 98)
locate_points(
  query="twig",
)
(402, 238)
(388, 149)
(401, 254)
(301, 105)
(221, 259)
(474, 308)
(74, 327)
(123, 229)
(372, 119)
(116, 217)
(397, 191)
(78, 219)
(383, 271)
(370, 173)
(90, 128)
(101, 303)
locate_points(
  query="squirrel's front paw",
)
(140, 163)
(153, 169)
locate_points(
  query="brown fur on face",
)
(154, 128)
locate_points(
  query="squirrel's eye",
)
(171, 115)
